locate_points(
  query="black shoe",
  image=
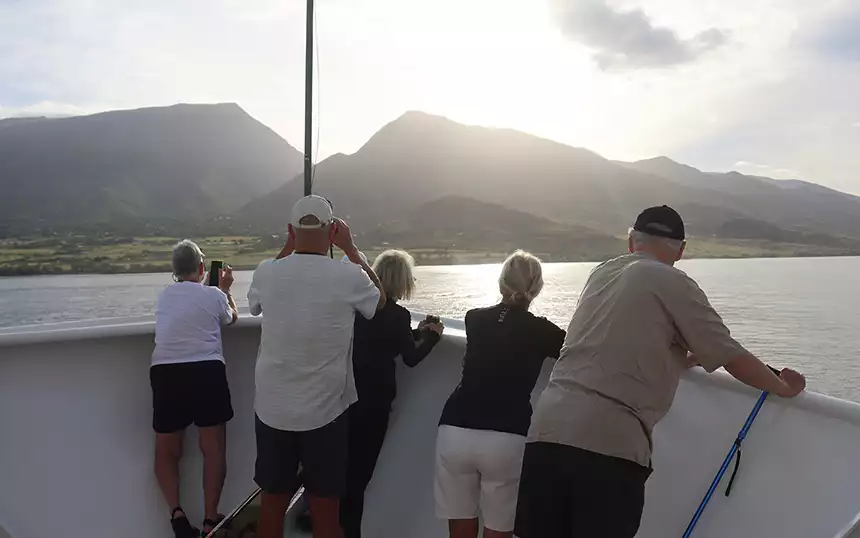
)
(181, 526)
(211, 524)
(249, 531)
(304, 523)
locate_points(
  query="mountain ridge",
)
(214, 168)
(419, 157)
(129, 167)
(792, 204)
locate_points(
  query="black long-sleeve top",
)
(377, 342)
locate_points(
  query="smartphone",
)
(215, 272)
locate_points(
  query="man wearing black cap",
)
(638, 317)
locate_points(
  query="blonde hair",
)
(394, 269)
(522, 277)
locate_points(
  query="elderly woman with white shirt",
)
(189, 381)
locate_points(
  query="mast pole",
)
(309, 84)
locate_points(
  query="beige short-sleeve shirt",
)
(625, 350)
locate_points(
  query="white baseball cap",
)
(311, 206)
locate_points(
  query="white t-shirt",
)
(188, 319)
(304, 367)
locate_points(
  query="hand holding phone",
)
(226, 279)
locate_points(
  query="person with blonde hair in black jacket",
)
(378, 342)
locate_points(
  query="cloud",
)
(625, 40)
(839, 38)
(756, 169)
(792, 107)
(49, 109)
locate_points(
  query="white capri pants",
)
(478, 475)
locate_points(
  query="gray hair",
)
(522, 277)
(394, 269)
(642, 239)
(187, 258)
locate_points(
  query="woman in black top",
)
(482, 432)
(376, 344)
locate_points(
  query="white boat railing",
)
(75, 421)
(850, 530)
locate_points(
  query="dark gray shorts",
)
(566, 491)
(322, 454)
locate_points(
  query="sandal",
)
(211, 524)
(181, 526)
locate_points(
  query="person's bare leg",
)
(168, 451)
(463, 528)
(497, 534)
(213, 445)
(325, 514)
(273, 511)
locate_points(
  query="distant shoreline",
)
(479, 258)
(142, 255)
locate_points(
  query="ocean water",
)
(802, 313)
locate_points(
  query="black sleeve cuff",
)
(431, 336)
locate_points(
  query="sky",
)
(766, 87)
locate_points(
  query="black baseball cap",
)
(662, 221)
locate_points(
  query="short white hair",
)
(642, 239)
(394, 270)
(522, 277)
(187, 258)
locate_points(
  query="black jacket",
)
(377, 343)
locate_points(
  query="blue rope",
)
(735, 448)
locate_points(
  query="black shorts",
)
(191, 392)
(569, 492)
(322, 454)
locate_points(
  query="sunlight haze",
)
(765, 87)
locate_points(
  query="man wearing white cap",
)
(304, 369)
